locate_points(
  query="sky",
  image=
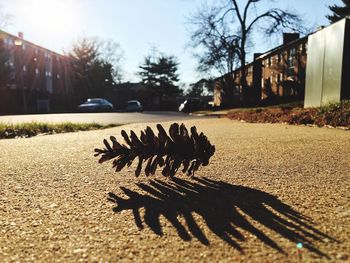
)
(137, 25)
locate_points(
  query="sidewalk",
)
(219, 113)
(272, 193)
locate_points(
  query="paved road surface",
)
(271, 193)
(103, 118)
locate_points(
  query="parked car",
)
(95, 105)
(191, 104)
(134, 105)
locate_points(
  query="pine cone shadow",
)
(223, 207)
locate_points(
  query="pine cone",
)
(169, 152)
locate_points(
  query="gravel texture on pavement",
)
(271, 193)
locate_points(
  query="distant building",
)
(33, 79)
(277, 75)
(123, 92)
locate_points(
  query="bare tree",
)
(203, 87)
(216, 44)
(94, 66)
(223, 33)
(5, 18)
(111, 52)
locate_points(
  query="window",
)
(48, 59)
(58, 76)
(24, 68)
(236, 90)
(47, 56)
(291, 58)
(37, 72)
(301, 48)
(274, 59)
(9, 64)
(250, 70)
(7, 42)
(292, 52)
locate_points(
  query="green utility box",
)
(328, 65)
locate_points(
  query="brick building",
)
(33, 79)
(278, 74)
(314, 68)
(283, 70)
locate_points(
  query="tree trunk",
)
(243, 77)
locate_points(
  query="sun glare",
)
(51, 16)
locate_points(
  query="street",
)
(271, 193)
(102, 118)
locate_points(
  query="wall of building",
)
(283, 71)
(275, 75)
(328, 65)
(315, 68)
(38, 78)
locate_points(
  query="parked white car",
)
(134, 105)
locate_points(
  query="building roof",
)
(28, 42)
(269, 52)
(281, 47)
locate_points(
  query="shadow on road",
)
(224, 208)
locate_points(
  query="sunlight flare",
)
(51, 16)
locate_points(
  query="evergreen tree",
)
(160, 75)
(339, 12)
(201, 88)
(92, 74)
(4, 65)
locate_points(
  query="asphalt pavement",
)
(271, 193)
(102, 118)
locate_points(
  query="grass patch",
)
(335, 115)
(30, 129)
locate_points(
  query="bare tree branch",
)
(222, 33)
